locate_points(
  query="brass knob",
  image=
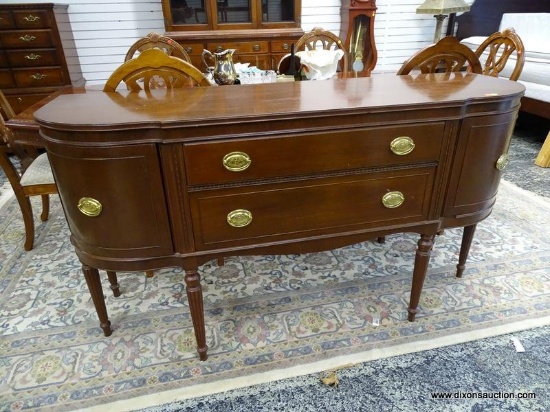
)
(189, 49)
(393, 199)
(236, 161)
(27, 38)
(257, 47)
(402, 145)
(502, 161)
(239, 218)
(89, 206)
(286, 46)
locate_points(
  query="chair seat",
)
(38, 173)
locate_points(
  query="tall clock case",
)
(262, 31)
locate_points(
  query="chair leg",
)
(45, 208)
(149, 273)
(28, 220)
(115, 287)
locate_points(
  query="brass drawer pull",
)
(285, 46)
(38, 76)
(31, 18)
(402, 145)
(502, 161)
(27, 38)
(257, 47)
(393, 199)
(239, 218)
(89, 206)
(219, 49)
(189, 49)
(236, 161)
(32, 56)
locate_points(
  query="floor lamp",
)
(441, 9)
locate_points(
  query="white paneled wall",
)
(103, 30)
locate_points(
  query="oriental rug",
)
(267, 317)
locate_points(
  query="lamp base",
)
(439, 23)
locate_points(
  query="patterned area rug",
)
(267, 317)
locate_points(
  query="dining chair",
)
(153, 68)
(496, 50)
(34, 180)
(155, 40)
(447, 55)
(316, 39)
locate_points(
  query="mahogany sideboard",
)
(180, 177)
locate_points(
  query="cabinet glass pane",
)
(233, 11)
(188, 12)
(277, 10)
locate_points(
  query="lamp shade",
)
(442, 7)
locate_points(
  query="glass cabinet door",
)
(233, 11)
(277, 11)
(189, 12)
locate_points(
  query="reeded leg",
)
(421, 261)
(194, 295)
(115, 287)
(94, 285)
(45, 208)
(467, 238)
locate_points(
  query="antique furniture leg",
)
(194, 295)
(149, 273)
(421, 261)
(467, 238)
(45, 208)
(94, 285)
(115, 287)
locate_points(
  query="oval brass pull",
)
(236, 161)
(393, 199)
(189, 49)
(402, 145)
(27, 38)
(239, 218)
(89, 206)
(502, 161)
(38, 76)
(219, 49)
(285, 46)
(257, 47)
(31, 18)
(32, 56)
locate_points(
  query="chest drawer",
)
(317, 207)
(281, 46)
(33, 58)
(241, 47)
(21, 101)
(32, 19)
(6, 20)
(24, 39)
(250, 159)
(193, 48)
(40, 76)
(6, 79)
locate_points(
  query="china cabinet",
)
(261, 31)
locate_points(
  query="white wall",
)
(103, 30)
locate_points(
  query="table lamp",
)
(440, 9)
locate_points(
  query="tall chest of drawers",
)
(37, 52)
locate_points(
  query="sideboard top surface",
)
(97, 110)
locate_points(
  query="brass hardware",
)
(38, 76)
(236, 161)
(257, 47)
(219, 49)
(27, 38)
(286, 46)
(402, 145)
(189, 49)
(239, 218)
(32, 56)
(502, 161)
(89, 206)
(31, 18)
(393, 199)
(19, 99)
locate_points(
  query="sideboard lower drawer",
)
(311, 153)
(310, 208)
(39, 77)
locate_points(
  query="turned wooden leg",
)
(221, 261)
(467, 238)
(421, 261)
(45, 208)
(381, 239)
(115, 287)
(94, 285)
(194, 295)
